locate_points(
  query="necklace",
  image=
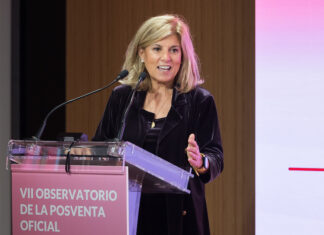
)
(160, 108)
(158, 122)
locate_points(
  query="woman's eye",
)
(174, 50)
(156, 48)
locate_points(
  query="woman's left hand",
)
(193, 153)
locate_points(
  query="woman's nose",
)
(166, 56)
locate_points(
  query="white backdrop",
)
(289, 117)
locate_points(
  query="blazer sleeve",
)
(208, 136)
(105, 128)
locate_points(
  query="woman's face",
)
(162, 60)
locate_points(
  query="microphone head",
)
(142, 76)
(122, 74)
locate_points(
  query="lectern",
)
(85, 187)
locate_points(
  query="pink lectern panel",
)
(46, 200)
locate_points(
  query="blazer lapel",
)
(135, 125)
(175, 114)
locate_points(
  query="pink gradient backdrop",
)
(289, 116)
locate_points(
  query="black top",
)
(153, 129)
(152, 217)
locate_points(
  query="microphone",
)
(38, 135)
(141, 77)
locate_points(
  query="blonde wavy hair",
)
(156, 29)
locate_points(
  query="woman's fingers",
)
(193, 153)
(192, 142)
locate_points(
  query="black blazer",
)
(192, 112)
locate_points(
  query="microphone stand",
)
(38, 135)
(123, 124)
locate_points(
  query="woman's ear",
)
(141, 54)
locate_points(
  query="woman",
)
(173, 118)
